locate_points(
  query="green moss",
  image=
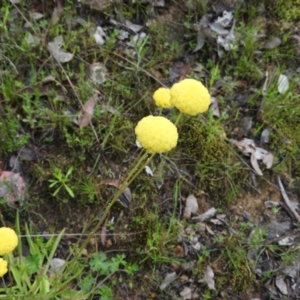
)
(218, 172)
(287, 10)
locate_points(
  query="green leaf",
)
(70, 192)
(87, 283)
(98, 263)
(33, 263)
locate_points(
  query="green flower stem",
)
(139, 166)
(164, 158)
(178, 119)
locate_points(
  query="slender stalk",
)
(133, 173)
(178, 119)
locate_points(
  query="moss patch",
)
(217, 170)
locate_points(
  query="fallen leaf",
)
(168, 279)
(214, 108)
(200, 42)
(36, 15)
(191, 206)
(15, 164)
(265, 136)
(186, 293)
(87, 111)
(287, 241)
(125, 198)
(283, 84)
(248, 147)
(208, 214)
(57, 266)
(218, 28)
(57, 13)
(148, 171)
(255, 165)
(271, 43)
(225, 19)
(113, 182)
(100, 36)
(32, 40)
(227, 40)
(97, 73)
(54, 48)
(281, 285)
(247, 124)
(209, 278)
(134, 27)
(179, 251)
(49, 78)
(268, 160)
(103, 233)
(137, 39)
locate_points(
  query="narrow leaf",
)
(87, 111)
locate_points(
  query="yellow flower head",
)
(156, 134)
(162, 97)
(190, 97)
(3, 267)
(8, 240)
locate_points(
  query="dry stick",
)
(287, 200)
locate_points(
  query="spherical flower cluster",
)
(8, 240)
(190, 96)
(3, 267)
(162, 97)
(156, 134)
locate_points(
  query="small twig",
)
(287, 200)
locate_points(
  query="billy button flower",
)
(156, 134)
(190, 97)
(162, 97)
(8, 240)
(3, 267)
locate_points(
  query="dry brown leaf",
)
(209, 278)
(255, 165)
(54, 48)
(103, 233)
(87, 111)
(214, 108)
(113, 182)
(191, 206)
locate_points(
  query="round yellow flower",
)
(8, 240)
(3, 267)
(162, 97)
(156, 134)
(190, 97)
